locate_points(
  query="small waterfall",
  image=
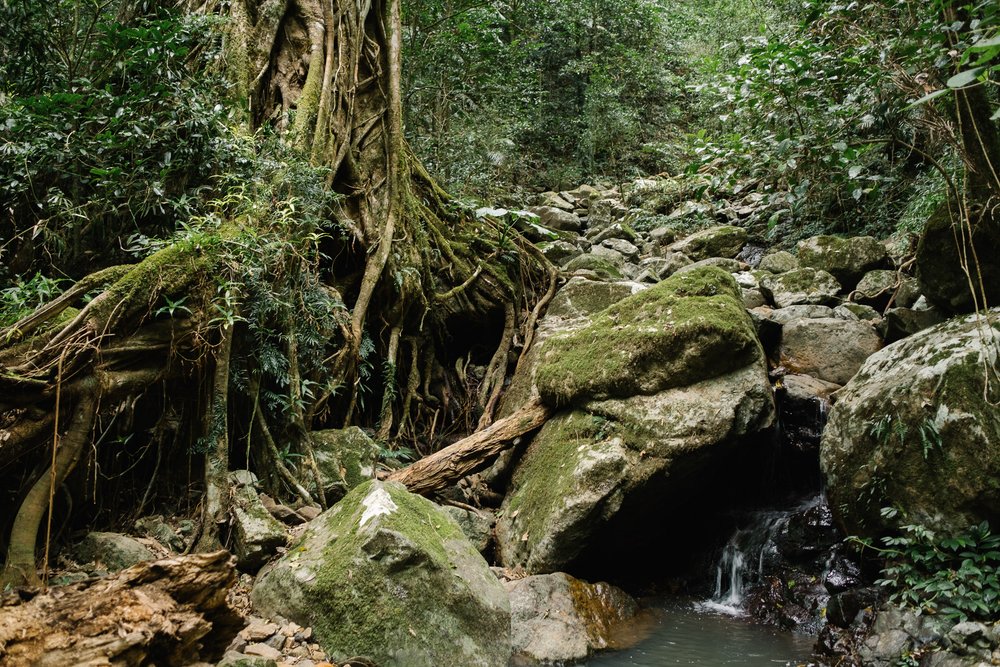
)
(745, 557)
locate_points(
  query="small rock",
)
(628, 250)
(237, 659)
(724, 241)
(554, 218)
(263, 651)
(258, 630)
(800, 286)
(310, 512)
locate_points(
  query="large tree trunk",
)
(409, 267)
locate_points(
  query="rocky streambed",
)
(691, 374)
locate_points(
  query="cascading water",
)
(745, 556)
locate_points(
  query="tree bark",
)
(436, 472)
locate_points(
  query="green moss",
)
(686, 328)
(602, 267)
(545, 479)
(405, 588)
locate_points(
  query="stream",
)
(685, 633)
(717, 631)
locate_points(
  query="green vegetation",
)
(954, 576)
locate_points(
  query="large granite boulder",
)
(846, 259)
(918, 429)
(687, 328)
(558, 619)
(585, 465)
(724, 241)
(831, 349)
(389, 575)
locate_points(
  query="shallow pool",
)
(681, 632)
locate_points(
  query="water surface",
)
(682, 633)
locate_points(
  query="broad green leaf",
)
(965, 78)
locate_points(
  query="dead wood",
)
(472, 454)
(168, 612)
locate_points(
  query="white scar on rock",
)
(377, 503)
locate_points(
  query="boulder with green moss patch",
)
(846, 259)
(724, 241)
(345, 458)
(918, 428)
(805, 286)
(602, 267)
(686, 328)
(389, 575)
(584, 466)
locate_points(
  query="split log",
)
(167, 612)
(436, 472)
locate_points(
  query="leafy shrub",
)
(955, 576)
(106, 130)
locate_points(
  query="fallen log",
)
(167, 612)
(439, 470)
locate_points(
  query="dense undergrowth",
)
(833, 112)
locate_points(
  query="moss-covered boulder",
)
(345, 458)
(256, 534)
(846, 259)
(779, 261)
(919, 429)
(686, 328)
(724, 241)
(804, 286)
(389, 575)
(572, 308)
(586, 465)
(877, 288)
(558, 619)
(581, 297)
(113, 551)
(559, 252)
(600, 266)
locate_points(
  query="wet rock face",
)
(803, 406)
